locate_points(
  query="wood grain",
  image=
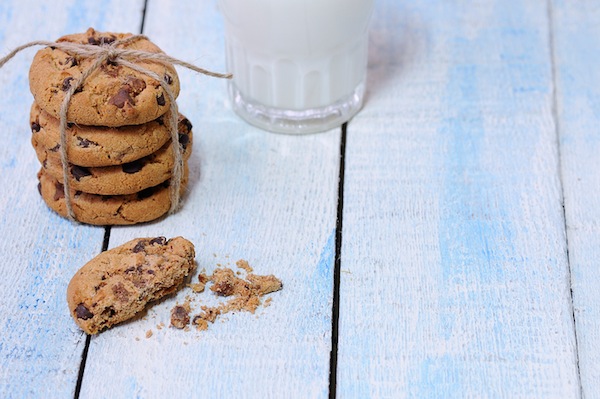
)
(455, 280)
(577, 54)
(267, 198)
(40, 346)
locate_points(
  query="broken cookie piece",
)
(119, 283)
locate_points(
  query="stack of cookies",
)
(118, 140)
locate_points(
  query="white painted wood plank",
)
(269, 199)
(577, 56)
(40, 346)
(455, 280)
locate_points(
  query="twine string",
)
(127, 58)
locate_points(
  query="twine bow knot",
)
(110, 52)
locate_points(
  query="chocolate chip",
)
(168, 79)
(139, 247)
(136, 86)
(66, 84)
(223, 288)
(130, 269)
(70, 62)
(145, 193)
(102, 40)
(185, 125)
(202, 278)
(158, 240)
(160, 120)
(70, 124)
(82, 312)
(85, 143)
(39, 186)
(55, 148)
(35, 127)
(109, 311)
(160, 100)
(79, 172)
(107, 39)
(133, 167)
(59, 191)
(121, 98)
(120, 292)
(184, 140)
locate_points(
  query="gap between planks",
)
(335, 308)
(556, 121)
(88, 338)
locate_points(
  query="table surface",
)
(445, 243)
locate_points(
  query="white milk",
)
(298, 65)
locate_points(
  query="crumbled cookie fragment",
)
(244, 294)
(225, 283)
(201, 284)
(180, 316)
(149, 333)
(263, 285)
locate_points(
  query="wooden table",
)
(445, 244)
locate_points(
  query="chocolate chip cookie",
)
(143, 206)
(90, 146)
(127, 178)
(113, 95)
(119, 283)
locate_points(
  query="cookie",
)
(144, 206)
(113, 95)
(119, 283)
(128, 178)
(101, 146)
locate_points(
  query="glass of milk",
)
(299, 66)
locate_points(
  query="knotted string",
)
(112, 53)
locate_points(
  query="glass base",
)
(311, 120)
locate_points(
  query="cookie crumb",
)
(243, 264)
(201, 284)
(201, 324)
(149, 333)
(180, 316)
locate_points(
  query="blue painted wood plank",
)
(40, 346)
(270, 199)
(455, 280)
(577, 55)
